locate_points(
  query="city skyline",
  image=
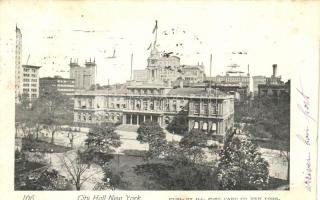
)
(81, 36)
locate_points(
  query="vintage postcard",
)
(168, 100)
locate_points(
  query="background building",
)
(274, 86)
(63, 85)
(18, 67)
(84, 76)
(258, 80)
(30, 81)
(193, 73)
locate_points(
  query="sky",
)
(271, 32)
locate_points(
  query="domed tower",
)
(153, 67)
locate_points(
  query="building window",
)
(196, 125)
(151, 106)
(145, 103)
(205, 126)
(205, 108)
(90, 103)
(118, 105)
(167, 107)
(214, 109)
(214, 128)
(196, 108)
(174, 107)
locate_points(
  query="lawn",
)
(42, 146)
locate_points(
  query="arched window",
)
(205, 126)
(196, 125)
(214, 128)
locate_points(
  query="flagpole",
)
(131, 66)
(210, 72)
(155, 29)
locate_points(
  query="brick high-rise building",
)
(30, 81)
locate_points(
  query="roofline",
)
(194, 96)
(53, 78)
(31, 66)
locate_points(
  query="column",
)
(150, 117)
(137, 120)
(144, 118)
(124, 119)
(130, 119)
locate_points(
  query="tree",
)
(96, 87)
(193, 143)
(151, 133)
(71, 133)
(36, 176)
(55, 110)
(77, 169)
(102, 139)
(241, 166)
(24, 101)
(179, 124)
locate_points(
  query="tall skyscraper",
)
(18, 67)
(27, 76)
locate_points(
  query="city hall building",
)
(155, 99)
(207, 110)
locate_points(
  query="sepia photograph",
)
(155, 96)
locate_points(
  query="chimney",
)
(274, 67)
